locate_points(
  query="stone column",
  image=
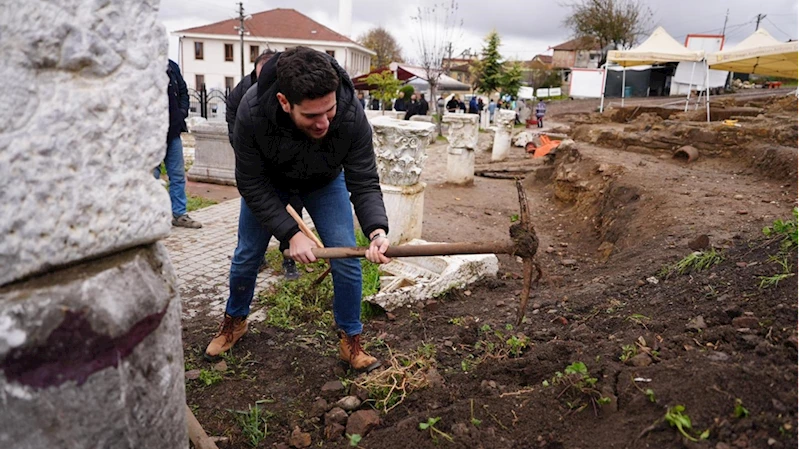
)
(90, 334)
(462, 136)
(504, 120)
(214, 160)
(400, 149)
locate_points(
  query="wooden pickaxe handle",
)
(303, 227)
(431, 249)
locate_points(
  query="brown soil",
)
(607, 222)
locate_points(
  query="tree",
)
(488, 70)
(612, 23)
(383, 43)
(511, 79)
(386, 86)
(438, 26)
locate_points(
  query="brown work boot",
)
(351, 351)
(231, 329)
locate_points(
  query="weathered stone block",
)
(405, 211)
(460, 166)
(412, 279)
(214, 160)
(462, 130)
(504, 120)
(400, 149)
(83, 124)
(370, 114)
(91, 356)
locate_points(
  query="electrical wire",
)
(778, 28)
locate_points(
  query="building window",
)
(253, 52)
(228, 52)
(331, 53)
(229, 82)
(198, 50)
(199, 82)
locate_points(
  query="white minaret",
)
(345, 17)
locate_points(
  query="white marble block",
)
(408, 280)
(371, 114)
(504, 120)
(462, 130)
(405, 211)
(460, 166)
(214, 160)
(400, 149)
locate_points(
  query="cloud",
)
(526, 27)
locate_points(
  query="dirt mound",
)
(783, 104)
(775, 162)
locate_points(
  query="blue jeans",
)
(173, 161)
(330, 210)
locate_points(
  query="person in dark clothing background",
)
(473, 105)
(423, 106)
(361, 100)
(375, 104)
(452, 104)
(399, 103)
(232, 105)
(301, 131)
(413, 107)
(178, 95)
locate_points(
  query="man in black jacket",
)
(178, 95)
(301, 131)
(232, 103)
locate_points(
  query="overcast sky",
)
(526, 27)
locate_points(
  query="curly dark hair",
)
(304, 73)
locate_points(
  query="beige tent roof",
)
(658, 48)
(761, 54)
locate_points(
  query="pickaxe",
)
(523, 243)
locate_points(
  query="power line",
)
(759, 18)
(778, 29)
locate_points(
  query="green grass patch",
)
(197, 202)
(254, 423)
(694, 262)
(787, 230)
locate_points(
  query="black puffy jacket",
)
(271, 153)
(178, 101)
(233, 101)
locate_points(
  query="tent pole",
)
(623, 82)
(707, 89)
(604, 83)
(690, 82)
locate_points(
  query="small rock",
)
(362, 393)
(640, 283)
(742, 212)
(333, 386)
(568, 263)
(299, 438)
(220, 441)
(741, 264)
(778, 406)
(337, 415)
(448, 343)
(745, 322)
(697, 323)
(334, 432)
(434, 378)
(563, 244)
(700, 243)
(718, 356)
(640, 360)
(792, 341)
(221, 366)
(349, 403)
(460, 430)
(652, 280)
(362, 422)
(500, 303)
(192, 374)
(733, 311)
(549, 250)
(467, 293)
(391, 316)
(738, 197)
(319, 407)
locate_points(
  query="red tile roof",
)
(277, 23)
(580, 43)
(546, 59)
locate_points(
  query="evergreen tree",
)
(489, 68)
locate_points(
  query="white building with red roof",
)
(211, 54)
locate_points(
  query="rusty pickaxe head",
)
(525, 245)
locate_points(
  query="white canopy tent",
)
(760, 54)
(658, 48)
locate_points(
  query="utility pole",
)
(726, 17)
(759, 18)
(241, 35)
